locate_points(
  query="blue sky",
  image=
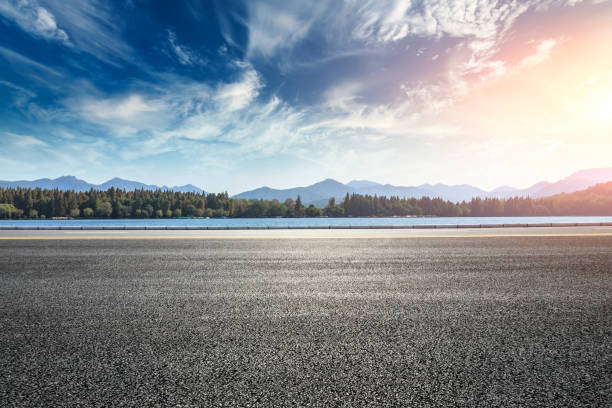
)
(232, 95)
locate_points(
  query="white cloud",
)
(33, 18)
(90, 26)
(574, 2)
(542, 53)
(95, 29)
(279, 25)
(342, 95)
(24, 141)
(231, 121)
(93, 26)
(479, 71)
(184, 54)
(238, 95)
(126, 109)
(393, 20)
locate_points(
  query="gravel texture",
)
(505, 321)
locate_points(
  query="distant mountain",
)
(60, 183)
(187, 188)
(66, 183)
(503, 189)
(400, 191)
(319, 193)
(363, 184)
(127, 185)
(322, 190)
(577, 181)
(461, 192)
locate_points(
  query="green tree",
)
(290, 205)
(10, 211)
(346, 204)
(105, 209)
(313, 211)
(336, 211)
(148, 211)
(299, 207)
(276, 209)
(257, 208)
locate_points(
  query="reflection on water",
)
(297, 222)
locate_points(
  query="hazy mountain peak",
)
(503, 189)
(362, 184)
(598, 175)
(327, 182)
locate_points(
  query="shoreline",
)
(298, 227)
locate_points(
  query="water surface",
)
(300, 222)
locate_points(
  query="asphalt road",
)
(419, 321)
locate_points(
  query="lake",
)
(299, 222)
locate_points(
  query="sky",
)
(233, 95)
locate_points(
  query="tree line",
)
(20, 203)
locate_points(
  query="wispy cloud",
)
(24, 141)
(278, 25)
(87, 26)
(396, 19)
(21, 96)
(129, 108)
(541, 54)
(94, 28)
(330, 84)
(21, 60)
(238, 95)
(184, 54)
(33, 18)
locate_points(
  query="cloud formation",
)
(389, 83)
(33, 18)
(184, 54)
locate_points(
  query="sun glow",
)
(601, 107)
(593, 102)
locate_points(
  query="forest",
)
(23, 203)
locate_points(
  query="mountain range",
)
(319, 193)
(72, 183)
